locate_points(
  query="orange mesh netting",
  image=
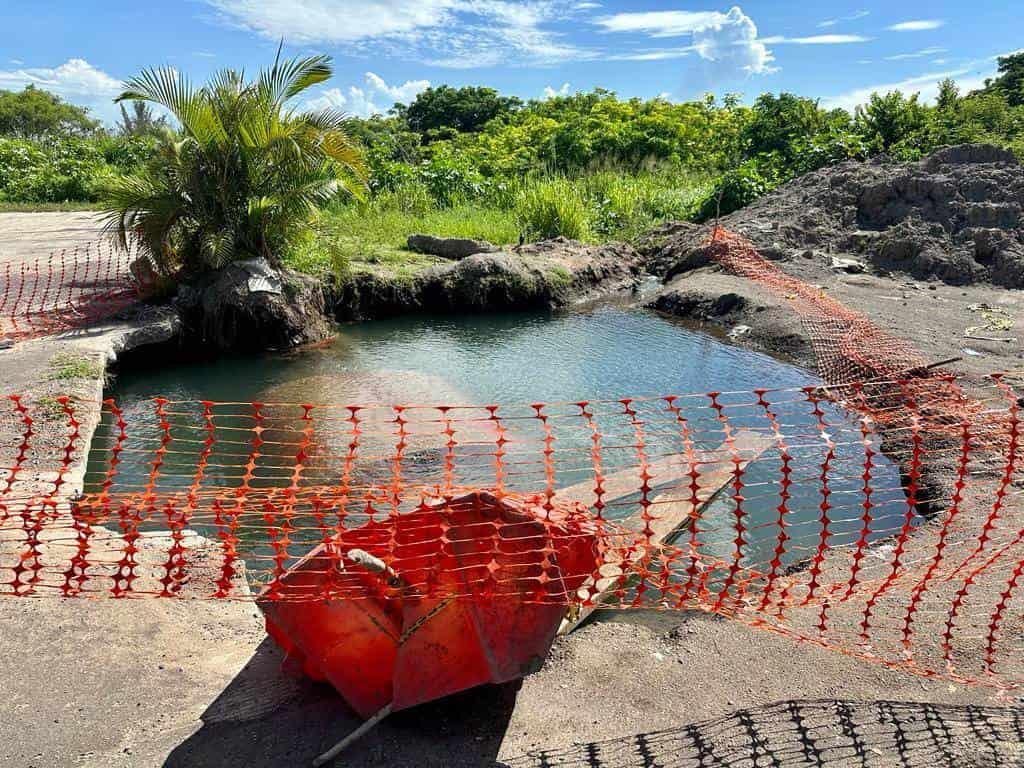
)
(847, 346)
(877, 515)
(69, 289)
(776, 507)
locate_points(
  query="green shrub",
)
(552, 208)
(63, 169)
(451, 179)
(734, 190)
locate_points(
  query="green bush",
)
(734, 190)
(56, 171)
(552, 208)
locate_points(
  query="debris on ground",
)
(995, 319)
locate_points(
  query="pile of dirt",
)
(921, 249)
(954, 217)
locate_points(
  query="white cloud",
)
(732, 46)
(550, 93)
(336, 21)
(727, 43)
(376, 98)
(450, 33)
(852, 17)
(916, 25)
(924, 52)
(662, 23)
(74, 77)
(816, 40)
(76, 80)
(404, 93)
(926, 85)
(656, 54)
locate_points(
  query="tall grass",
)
(596, 207)
(550, 208)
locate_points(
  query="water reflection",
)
(513, 360)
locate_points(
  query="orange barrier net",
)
(880, 518)
(776, 507)
(69, 289)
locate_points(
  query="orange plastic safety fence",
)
(837, 515)
(848, 347)
(69, 289)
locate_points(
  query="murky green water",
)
(607, 352)
(603, 353)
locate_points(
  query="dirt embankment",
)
(931, 251)
(251, 305)
(551, 273)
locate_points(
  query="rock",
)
(487, 282)
(453, 248)
(956, 216)
(250, 305)
(844, 264)
(738, 331)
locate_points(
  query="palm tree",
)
(142, 122)
(245, 174)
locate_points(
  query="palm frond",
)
(287, 79)
(244, 175)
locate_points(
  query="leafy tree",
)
(776, 122)
(246, 175)
(465, 110)
(142, 121)
(949, 96)
(34, 113)
(890, 120)
(1010, 80)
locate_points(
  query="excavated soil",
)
(925, 250)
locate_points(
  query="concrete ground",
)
(25, 236)
(158, 683)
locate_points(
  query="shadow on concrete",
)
(270, 717)
(825, 733)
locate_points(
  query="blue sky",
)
(388, 50)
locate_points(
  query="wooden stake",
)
(352, 738)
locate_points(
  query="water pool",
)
(602, 353)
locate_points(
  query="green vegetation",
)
(244, 177)
(67, 366)
(36, 114)
(456, 161)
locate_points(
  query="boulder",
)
(251, 305)
(453, 248)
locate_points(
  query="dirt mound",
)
(953, 217)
